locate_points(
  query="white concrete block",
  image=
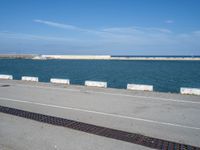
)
(27, 78)
(60, 81)
(96, 84)
(4, 76)
(190, 91)
(140, 87)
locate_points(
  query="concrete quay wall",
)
(134, 87)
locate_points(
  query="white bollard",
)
(140, 87)
(96, 84)
(190, 91)
(27, 78)
(60, 81)
(4, 76)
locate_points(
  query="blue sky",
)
(117, 27)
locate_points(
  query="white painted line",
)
(102, 113)
(44, 87)
(145, 97)
(108, 93)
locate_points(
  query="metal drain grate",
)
(5, 85)
(101, 131)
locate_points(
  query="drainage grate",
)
(101, 131)
(5, 85)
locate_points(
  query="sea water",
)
(165, 76)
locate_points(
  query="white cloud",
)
(22, 36)
(58, 25)
(113, 32)
(169, 21)
(113, 39)
(197, 32)
(136, 29)
(63, 26)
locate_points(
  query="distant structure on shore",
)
(96, 57)
(106, 57)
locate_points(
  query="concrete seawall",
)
(18, 56)
(109, 57)
(96, 84)
(190, 91)
(60, 81)
(95, 57)
(140, 87)
(3, 76)
(28, 78)
(133, 87)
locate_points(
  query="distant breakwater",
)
(96, 57)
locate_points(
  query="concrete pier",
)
(172, 117)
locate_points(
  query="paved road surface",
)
(167, 116)
(22, 134)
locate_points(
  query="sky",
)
(100, 27)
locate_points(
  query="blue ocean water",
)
(165, 76)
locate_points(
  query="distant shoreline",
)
(95, 57)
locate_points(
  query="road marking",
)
(108, 93)
(145, 97)
(102, 113)
(44, 87)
